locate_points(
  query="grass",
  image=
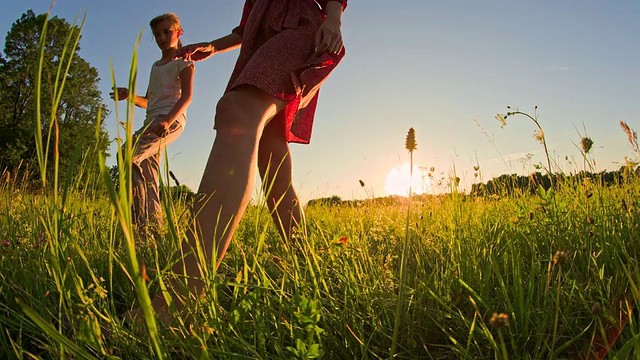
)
(551, 275)
(562, 276)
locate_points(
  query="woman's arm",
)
(204, 50)
(161, 128)
(123, 94)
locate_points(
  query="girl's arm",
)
(161, 128)
(123, 94)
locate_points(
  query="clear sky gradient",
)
(431, 65)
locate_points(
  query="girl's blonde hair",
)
(173, 19)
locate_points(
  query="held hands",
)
(195, 52)
(123, 93)
(329, 37)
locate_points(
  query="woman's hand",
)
(195, 52)
(329, 37)
(123, 93)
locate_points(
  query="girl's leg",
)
(274, 162)
(145, 173)
(139, 201)
(150, 171)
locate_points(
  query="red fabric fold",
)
(278, 37)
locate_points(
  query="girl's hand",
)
(160, 128)
(329, 37)
(195, 52)
(123, 93)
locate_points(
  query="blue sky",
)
(433, 66)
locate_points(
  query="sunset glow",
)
(399, 180)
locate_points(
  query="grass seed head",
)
(502, 120)
(410, 143)
(632, 136)
(586, 144)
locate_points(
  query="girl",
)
(168, 95)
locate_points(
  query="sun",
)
(399, 180)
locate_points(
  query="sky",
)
(444, 68)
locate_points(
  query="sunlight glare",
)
(399, 180)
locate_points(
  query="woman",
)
(289, 47)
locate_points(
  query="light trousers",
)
(145, 173)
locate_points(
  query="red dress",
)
(278, 40)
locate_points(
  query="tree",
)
(77, 113)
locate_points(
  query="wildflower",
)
(101, 292)
(6, 242)
(208, 329)
(560, 258)
(410, 143)
(342, 240)
(539, 135)
(499, 320)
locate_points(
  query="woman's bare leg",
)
(227, 182)
(274, 163)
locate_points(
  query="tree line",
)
(79, 105)
(507, 184)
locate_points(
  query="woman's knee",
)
(238, 111)
(230, 116)
(246, 108)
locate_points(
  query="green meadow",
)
(536, 272)
(548, 275)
